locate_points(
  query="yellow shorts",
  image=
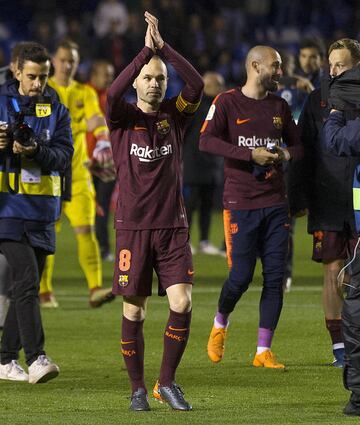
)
(81, 210)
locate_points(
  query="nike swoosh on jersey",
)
(190, 272)
(127, 342)
(239, 121)
(137, 128)
(177, 329)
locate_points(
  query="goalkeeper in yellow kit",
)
(82, 102)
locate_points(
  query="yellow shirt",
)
(83, 103)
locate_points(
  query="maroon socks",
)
(175, 339)
(132, 348)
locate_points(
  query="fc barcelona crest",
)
(278, 124)
(123, 280)
(163, 127)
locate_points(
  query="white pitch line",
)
(196, 290)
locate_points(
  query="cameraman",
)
(5, 279)
(35, 146)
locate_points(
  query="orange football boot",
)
(156, 393)
(216, 344)
(267, 359)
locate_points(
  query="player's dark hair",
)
(67, 44)
(16, 49)
(97, 64)
(347, 43)
(31, 51)
(313, 43)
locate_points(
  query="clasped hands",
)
(153, 39)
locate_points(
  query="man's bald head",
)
(154, 63)
(263, 67)
(151, 83)
(213, 83)
(259, 54)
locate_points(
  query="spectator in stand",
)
(134, 37)
(110, 15)
(293, 87)
(113, 47)
(311, 60)
(202, 171)
(197, 40)
(43, 32)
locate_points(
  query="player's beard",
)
(154, 99)
(269, 83)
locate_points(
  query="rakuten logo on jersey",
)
(257, 142)
(150, 155)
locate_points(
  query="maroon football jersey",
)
(235, 125)
(147, 148)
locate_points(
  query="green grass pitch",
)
(93, 387)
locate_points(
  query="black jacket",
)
(200, 167)
(321, 182)
(344, 91)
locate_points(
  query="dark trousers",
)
(104, 191)
(23, 326)
(250, 234)
(351, 329)
(200, 196)
(5, 277)
(290, 256)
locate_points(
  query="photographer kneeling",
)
(35, 147)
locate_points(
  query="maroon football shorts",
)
(330, 246)
(139, 252)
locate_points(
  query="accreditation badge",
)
(42, 110)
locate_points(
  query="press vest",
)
(38, 198)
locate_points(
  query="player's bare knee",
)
(134, 314)
(332, 268)
(134, 308)
(181, 305)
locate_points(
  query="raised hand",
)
(154, 30)
(149, 42)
